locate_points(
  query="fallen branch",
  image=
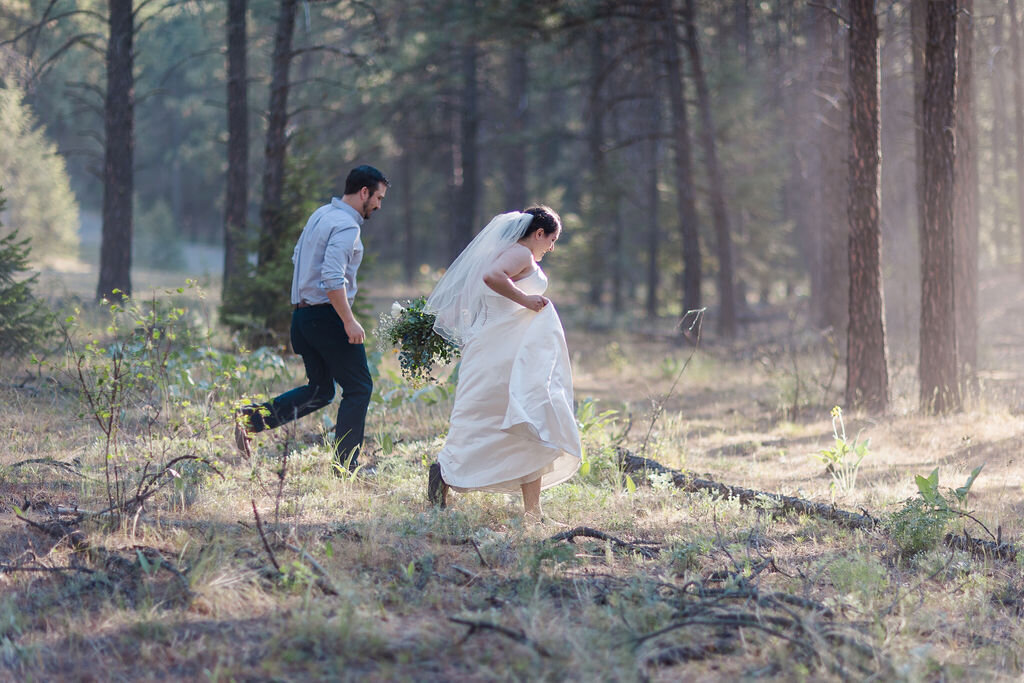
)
(324, 581)
(688, 482)
(976, 546)
(517, 636)
(572, 534)
(57, 464)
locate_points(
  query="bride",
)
(512, 426)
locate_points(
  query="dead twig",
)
(517, 636)
(324, 581)
(51, 462)
(263, 537)
(572, 534)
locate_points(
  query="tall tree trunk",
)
(835, 185)
(464, 220)
(276, 148)
(236, 196)
(686, 207)
(600, 214)
(999, 127)
(652, 146)
(938, 366)
(119, 145)
(965, 198)
(515, 156)
(405, 178)
(720, 216)
(1018, 108)
(867, 378)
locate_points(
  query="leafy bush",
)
(922, 521)
(24, 320)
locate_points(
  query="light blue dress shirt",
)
(328, 254)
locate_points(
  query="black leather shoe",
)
(437, 490)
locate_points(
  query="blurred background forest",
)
(698, 150)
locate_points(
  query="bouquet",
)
(410, 331)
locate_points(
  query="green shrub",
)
(24, 320)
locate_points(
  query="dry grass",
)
(370, 577)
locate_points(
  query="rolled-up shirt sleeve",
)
(337, 256)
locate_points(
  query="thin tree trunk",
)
(276, 148)
(119, 145)
(653, 146)
(1018, 107)
(999, 127)
(965, 208)
(686, 207)
(405, 178)
(236, 197)
(720, 216)
(867, 378)
(600, 213)
(938, 366)
(464, 221)
(835, 186)
(515, 156)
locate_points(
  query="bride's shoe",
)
(437, 490)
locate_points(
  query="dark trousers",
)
(318, 335)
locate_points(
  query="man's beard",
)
(366, 210)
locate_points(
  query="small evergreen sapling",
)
(24, 320)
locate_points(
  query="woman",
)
(512, 426)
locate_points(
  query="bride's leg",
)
(531, 498)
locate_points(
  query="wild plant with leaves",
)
(842, 461)
(409, 330)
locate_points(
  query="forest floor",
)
(631, 575)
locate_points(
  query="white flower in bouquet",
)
(396, 309)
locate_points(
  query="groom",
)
(324, 331)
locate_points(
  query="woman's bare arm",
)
(511, 265)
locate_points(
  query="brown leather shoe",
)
(437, 490)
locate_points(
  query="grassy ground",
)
(358, 578)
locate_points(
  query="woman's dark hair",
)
(544, 218)
(364, 176)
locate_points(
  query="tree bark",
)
(276, 148)
(867, 378)
(1000, 232)
(467, 161)
(1018, 107)
(119, 146)
(236, 197)
(653, 147)
(835, 186)
(601, 213)
(515, 156)
(720, 216)
(686, 207)
(965, 207)
(938, 364)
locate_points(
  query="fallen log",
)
(977, 546)
(688, 482)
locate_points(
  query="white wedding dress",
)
(513, 418)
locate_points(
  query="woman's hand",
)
(535, 302)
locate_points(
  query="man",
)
(324, 331)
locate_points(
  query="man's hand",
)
(355, 332)
(535, 302)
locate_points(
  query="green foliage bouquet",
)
(410, 331)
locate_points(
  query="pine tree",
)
(23, 321)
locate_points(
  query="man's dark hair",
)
(544, 218)
(364, 176)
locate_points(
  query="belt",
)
(309, 305)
